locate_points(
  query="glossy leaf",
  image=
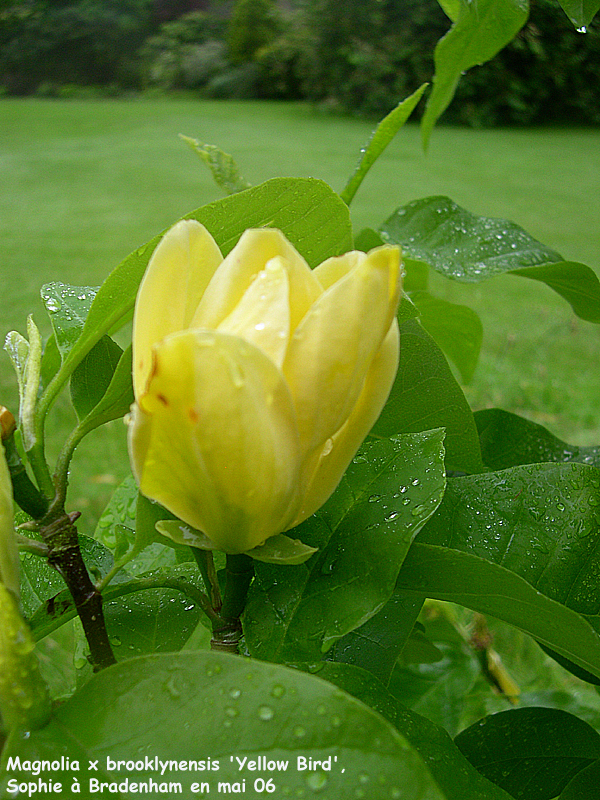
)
(152, 621)
(481, 30)
(584, 784)
(297, 613)
(508, 440)
(451, 8)
(381, 137)
(118, 396)
(451, 770)
(308, 212)
(471, 248)
(376, 645)
(532, 753)
(17, 347)
(426, 395)
(580, 12)
(220, 707)
(67, 307)
(222, 166)
(447, 574)
(92, 377)
(455, 328)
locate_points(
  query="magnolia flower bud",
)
(256, 378)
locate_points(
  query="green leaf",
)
(222, 166)
(93, 375)
(51, 361)
(580, 12)
(470, 248)
(376, 645)
(437, 688)
(426, 395)
(508, 440)
(451, 8)
(380, 138)
(584, 784)
(481, 30)
(118, 396)
(455, 328)
(153, 621)
(363, 533)
(532, 753)
(196, 706)
(308, 212)
(459, 577)
(451, 770)
(67, 307)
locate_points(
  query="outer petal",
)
(330, 464)
(250, 255)
(334, 345)
(262, 316)
(214, 439)
(178, 273)
(333, 269)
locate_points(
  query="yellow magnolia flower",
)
(256, 378)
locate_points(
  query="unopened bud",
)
(7, 423)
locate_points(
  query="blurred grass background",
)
(86, 182)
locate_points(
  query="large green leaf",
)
(197, 706)
(532, 753)
(508, 440)
(381, 137)
(531, 532)
(455, 328)
(309, 212)
(447, 574)
(117, 398)
(471, 248)
(481, 30)
(426, 395)
(297, 613)
(539, 521)
(580, 12)
(452, 772)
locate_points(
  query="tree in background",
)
(252, 26)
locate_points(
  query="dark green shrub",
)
(252, 26)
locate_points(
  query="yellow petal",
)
(214, 439)
(179, 271)
(251, 254)
(334, 345)
(330, 271)
(262, 316)
(328, 466)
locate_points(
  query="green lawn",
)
(85, 182)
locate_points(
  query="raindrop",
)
(583, 29)
(278, 690)
(374, 498)
(53, 305)
(265, 713)
(235, 693)
(299, 732)
(316, 781)
(231, 711)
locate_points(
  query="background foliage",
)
(344, 54)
